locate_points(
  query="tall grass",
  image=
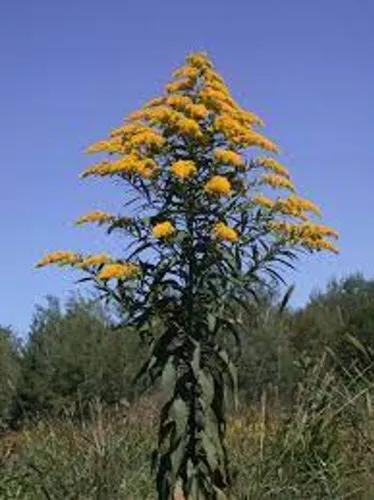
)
(320, 447)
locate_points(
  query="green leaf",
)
(168, 377)
(207, 386)
(179, 412)
(196, 360)
(212, 322)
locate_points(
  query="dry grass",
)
(321, 447)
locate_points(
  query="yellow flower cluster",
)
(241, 135)
(111, 146)
(148, 139)
(264, 201)
(155, 114)
(307, 234)
(129, 130)
(125, 270)
(297, 206)
(223, 232)
(218, 185)
(128, 138)
(186, 83)
(217, 97)
(199, 60)
(171, 119)
(277, 181)
(229, 157)
(59, 257)
(130, 164)
(213, 95)
(96, 216)
(163, 230)
(272, 164)
(216, 100)
(94, 260)
(311, 228)
(186, 71)
(186, 105)
(184, 168)
(146, 168)
(188, 126)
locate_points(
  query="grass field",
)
(321, 446)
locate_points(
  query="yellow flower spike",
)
(274, 165)
(190, 127)
(132, 163)
(229, 126)
(130, 128)
(96, 216)
(177, 86)
(156, 101)
(178, 101)
(95, 260)
(96, 169)
(223, 232)
(252, 138)
(187, 106)
(148, 138)
(186, 71)
(249, 118)
(199, 60)
(163, 230)
(184, 169)
(296, 206)
(197, 111)
(147, 168)
(216, 98)
(59, 257)
(307, 234)
(163, 115)
(319, 229)
(212, 77)
(218, 185)
(229, 157)
(126, 270)
(97, 147)
(113, 145)
(264, 201)
(323, 245)
(277, 181)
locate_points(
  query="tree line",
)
(73, 355)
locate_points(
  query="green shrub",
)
(9, 373)
(74, 357)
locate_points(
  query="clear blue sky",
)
(71, 70)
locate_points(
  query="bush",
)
(340, 320)
(73, 357)
(9, 373)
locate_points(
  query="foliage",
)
(72, 358)
(318, 447)
(341, 320)
(9, 373)
(267, 362)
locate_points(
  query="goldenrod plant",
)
(202, 229)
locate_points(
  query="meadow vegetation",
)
(74, 426)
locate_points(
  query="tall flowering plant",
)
(201, 228)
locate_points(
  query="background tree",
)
(201, 233)
(9, 373)
(72, 358)
(340, 320)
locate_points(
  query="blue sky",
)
(71, 70)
